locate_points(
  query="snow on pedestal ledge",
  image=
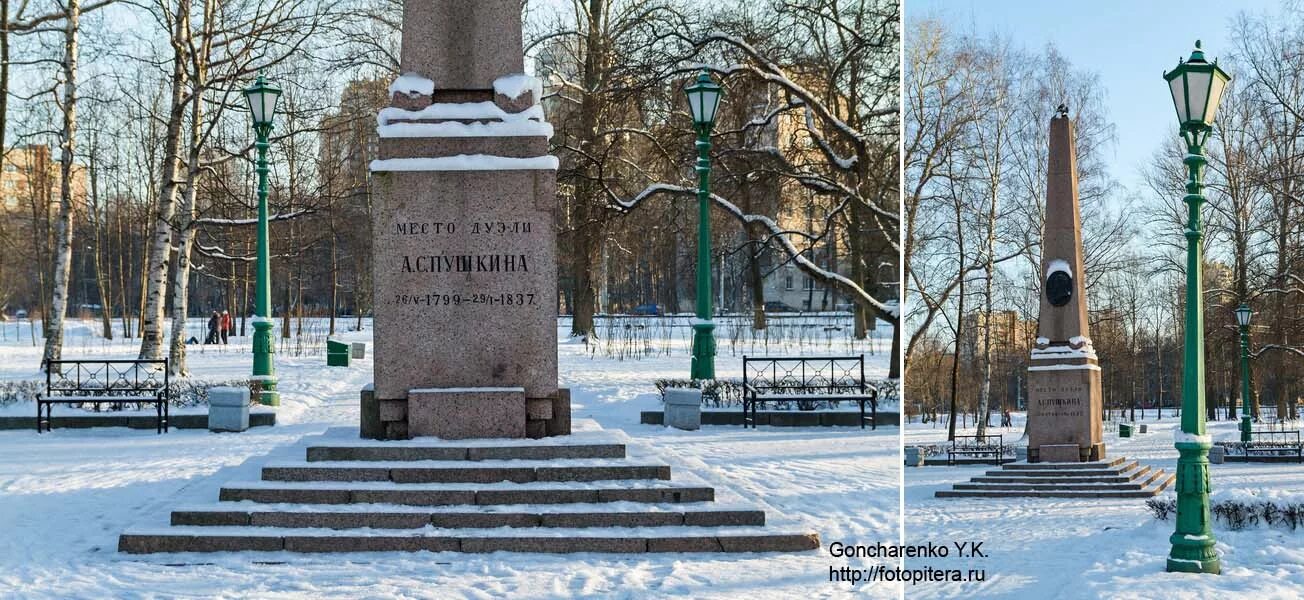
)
(522, 128)
(412, 84)
(466, 162)
(513, 86)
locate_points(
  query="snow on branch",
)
(776, 233)
(775, 74)
(254, 221)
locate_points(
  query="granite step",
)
(1156, 484)
(1121, 477)
(394, 451)
(290, 492)
(390, 518)
(1042, 466)
(1133, 485)
(606, 540)
(456, 472)
(1056, 473)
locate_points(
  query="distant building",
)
(32, 175)
(1011, 335)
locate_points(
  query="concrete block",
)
(371, 543)
(560, 423)
(374, 453)
(546, 452)
(210, 518)
(460, 413)
(463, 475)
(393, 410)
(613, 519)
(370, 425)
(325, 474)
(537, 496)
(538, 409)
(725, 518)
(603, 473)
(288, 496)
(684, 544)
(1059, 453)
(770, 543)
(555, 544)
(413, 497)
(228, 409)
(482, 520)
(339, 520)
(677, 494)
(683, 408)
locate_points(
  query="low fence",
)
(634, 337)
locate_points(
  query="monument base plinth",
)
(464, 413)
(1071, 453)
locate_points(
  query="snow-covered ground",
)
(1098, 548)
(66, 495)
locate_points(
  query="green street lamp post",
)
(1197, 86)
(703, 99)
(1243, 314)
(262, 98)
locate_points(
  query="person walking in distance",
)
(214, 322)
(226, 326)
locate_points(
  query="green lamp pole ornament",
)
(1197, 86)
(703, 99)
(262, 98)
(1243, 314)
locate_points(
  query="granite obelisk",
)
(1064, 399)
(464, 253)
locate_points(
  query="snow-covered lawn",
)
(66, 495)
(1097, 548)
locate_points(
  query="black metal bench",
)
(1274, 442)
(976, 445)
(806, 381)
(97, 382)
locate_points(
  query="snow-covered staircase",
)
(524, 496)
(1112, 478)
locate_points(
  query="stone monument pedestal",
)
(465, 250)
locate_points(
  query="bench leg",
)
(38, 417)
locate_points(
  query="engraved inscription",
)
(1060, 400)
(444, 258)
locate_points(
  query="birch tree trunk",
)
(63, 228)
(156, 273)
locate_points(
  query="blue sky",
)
(1129, 43)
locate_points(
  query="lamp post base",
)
(264, 372)
(703, 350)
(1246, 428)
(1193, 543)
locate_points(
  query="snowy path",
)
(1100, 548)
(65, 496)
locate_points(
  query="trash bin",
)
(914, 456)
(359, 350)
(1217, 454)
(1124, 430)
(337, 354)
